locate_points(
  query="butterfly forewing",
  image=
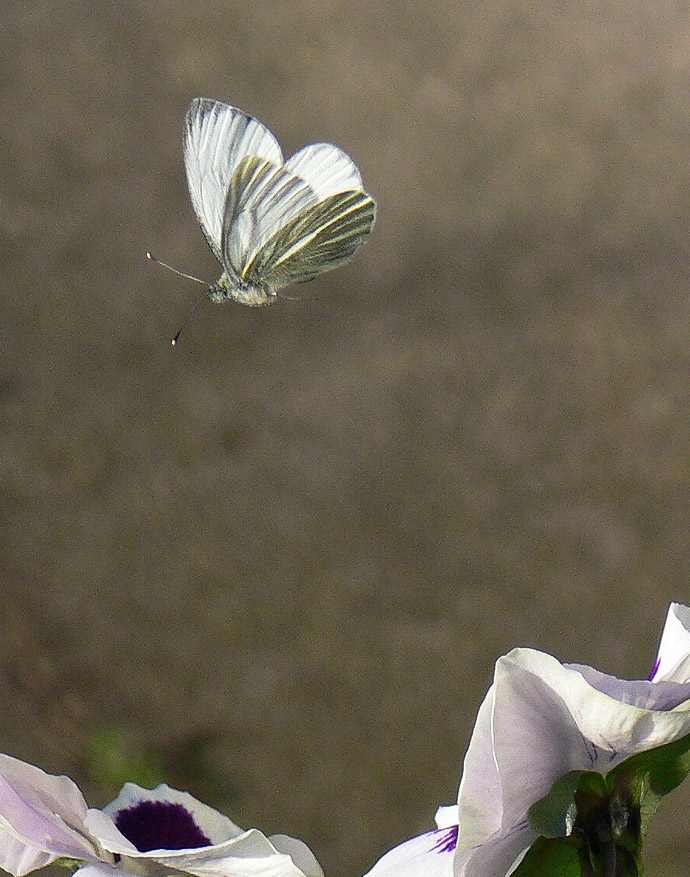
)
(216, 139)
(261, 198)
(317, 239)
(237, 222)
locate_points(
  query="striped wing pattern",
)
(270, 222)
(261, 197)
(317, 239)
(216, 138)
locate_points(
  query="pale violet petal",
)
(536, 738)
(446, 816)
(217, 827)
(548, 720)
(480, 810)
(18, 857)
(42, 818)
(673, 657)
(498, 857)
(326, 168)
(299, 852)
(105, 833)
(429, 855)
(57, 794)
(661, 695)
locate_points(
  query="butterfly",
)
(268, 221)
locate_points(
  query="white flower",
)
(144, 832)
(540, 721)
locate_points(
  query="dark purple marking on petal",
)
(160, 825)
(655, 670)
(447, 841)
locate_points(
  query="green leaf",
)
(569, 857)
(553, 815)
(548, 857)
(645, 778)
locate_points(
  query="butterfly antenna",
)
(152, 258)
(189, 316)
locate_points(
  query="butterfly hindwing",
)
(317, 239)
(326, 168)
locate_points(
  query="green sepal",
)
(570, 857)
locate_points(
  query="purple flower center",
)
(160, 825)
(447, 841)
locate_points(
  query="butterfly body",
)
(227, 288)
(268, 221)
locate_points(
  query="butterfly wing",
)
(261, 199)
(326, 168)
(217, 137)
(317, 239)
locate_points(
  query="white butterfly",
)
(268, 221)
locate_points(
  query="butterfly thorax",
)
(229, 287)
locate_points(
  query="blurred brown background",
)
(275, 564)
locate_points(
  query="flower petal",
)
(480, 806)
(549, 720)
(673, 657)
(429, 855)
(211, 824)
(99, 869)
(497, 857)
(232, 851)
(105, 833)
(42, 818)
(249, 854)
(446, 816)
(661, 695)
(299, 852)
(19, 857)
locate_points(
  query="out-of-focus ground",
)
(280, 559)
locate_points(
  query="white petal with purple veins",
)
(429, 855)
(540, 721)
